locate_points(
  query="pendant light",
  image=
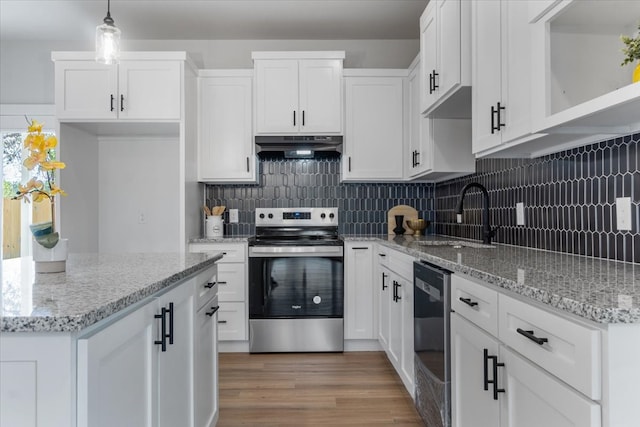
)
(108, 40)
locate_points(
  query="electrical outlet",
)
(142, 218)
(233, 216)
(519, 213)
(623, 213)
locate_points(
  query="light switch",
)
(233, 216)
(520, 213)
(623, 213)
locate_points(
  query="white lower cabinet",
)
(493, 385)
(206, 365)
(359, 319)
(395, 305)
(150, 367)
(233, 317)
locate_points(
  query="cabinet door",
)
(320, 96)
(175, 365)
(471, 404)
(374, 129)
(149, 90)
(486, 75)
(232, 321)
(385, 290)
(395, 323)
(535, 398)
(405, 292)
(116, 373)
(206, 365)
(428, 55)
(359, 320)
(231, 282)
(449, 45)
(420, 158)
(86, 90)
(226, 148)
(277, 96)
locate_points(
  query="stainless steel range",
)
(296, 281)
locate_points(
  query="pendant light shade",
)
(108, 40)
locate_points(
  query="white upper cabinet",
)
(582, 89)
(144, 86)
(437, 148)
(226, 150)
(374, 128)
(445, 38)
(501, 73)
(298, 92)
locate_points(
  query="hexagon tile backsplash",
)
(569, 198)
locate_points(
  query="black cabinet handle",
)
(493, 120)
(210, 285)
(222, 321)
(163, 329)
(417, 158)
(302, 117)
(213, 311)
(396, 296)
(221, 283)
(121, 102)
(430, 83)
(500, 108)
(359, 248)
(349, 163)
(247, 164)
(531, 336)
(294, 117)
(468, 302)
(170, 312)
(435, 86)
(382, 255)
(112, 102)
(494, 381)
(384, 285)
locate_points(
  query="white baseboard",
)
(349, 345)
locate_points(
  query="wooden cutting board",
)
(407, 211)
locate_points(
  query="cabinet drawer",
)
(233, 252)
(231, 282)
(402, 264)
(206, 286)
(567, 349)
(382, 255)
(232, 321)
(475, 302)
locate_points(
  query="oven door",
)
(296, 282)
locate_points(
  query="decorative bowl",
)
(418, 226)
(41, 229)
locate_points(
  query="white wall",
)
(26, 69)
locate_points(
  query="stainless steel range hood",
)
(299, 146)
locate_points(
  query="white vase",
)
(52, 260)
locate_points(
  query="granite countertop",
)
(599, 290)
(94, 287)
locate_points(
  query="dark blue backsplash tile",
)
(316, 183)
(569, 200)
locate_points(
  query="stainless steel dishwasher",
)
(431, 339)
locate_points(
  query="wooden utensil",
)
(206, 210)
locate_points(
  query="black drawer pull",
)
(382, 255)
(529, 334)
(468, 302)
(210, 285)
(222, 321)
(213, 311)
(221, 283)
(359, 248)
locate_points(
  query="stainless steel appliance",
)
(296, 281)
(431, 340)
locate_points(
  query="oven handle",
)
(295, 251)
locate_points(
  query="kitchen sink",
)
(456, 244)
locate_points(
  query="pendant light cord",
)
(108, 20)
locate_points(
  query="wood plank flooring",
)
(312, 389)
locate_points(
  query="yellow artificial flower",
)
(49, 166)
(39, 196)
(35, 158)
(50, 142)
(57, 190)
(35, 126)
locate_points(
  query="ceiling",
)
(213, 19)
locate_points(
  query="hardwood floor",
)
(312, 389)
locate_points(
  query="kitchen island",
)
(53, 326)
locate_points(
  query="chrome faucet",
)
(487, 232)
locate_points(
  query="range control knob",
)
(323, 216)
(270, 216)
(331, 215)
(261, 216)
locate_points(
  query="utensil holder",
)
(213, 226)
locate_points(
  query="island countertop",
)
(595, 289)
(94, 287)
